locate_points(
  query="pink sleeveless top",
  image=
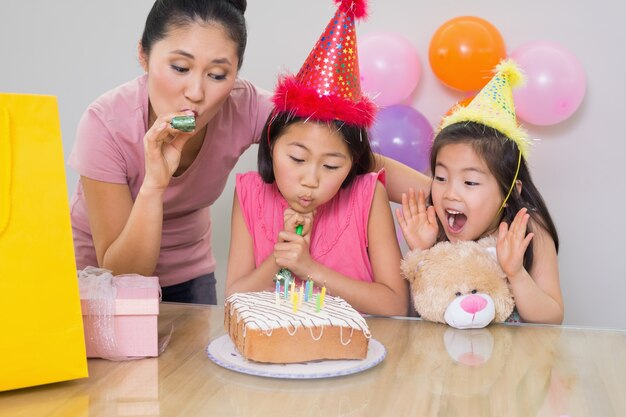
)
(339, 234)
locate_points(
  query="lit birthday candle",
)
(323, 296)
(302, 296)
(286, 288)
(293, 289)
(309, 284)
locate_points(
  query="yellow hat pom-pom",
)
(509, 69)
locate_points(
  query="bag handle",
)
(5, 170)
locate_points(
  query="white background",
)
(76, 50)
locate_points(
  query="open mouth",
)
(456, 220)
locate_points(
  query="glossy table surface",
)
(429, 370)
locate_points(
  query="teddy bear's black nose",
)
(474, 291)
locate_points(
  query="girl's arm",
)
(401, 177)
(388, 295)
(537, 292)
(127, 234)
(241, 275)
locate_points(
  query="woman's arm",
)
(241, 275)
(401, 177)
(387, 295)
(537, 292)
(127, 234)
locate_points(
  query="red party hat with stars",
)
(328, 86)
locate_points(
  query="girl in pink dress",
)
(315, 165)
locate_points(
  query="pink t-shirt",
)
(109, 148)
(339, 235)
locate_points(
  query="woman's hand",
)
(512, 244)
(418, 223)
(163, 146)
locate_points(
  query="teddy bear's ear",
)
(411, 264)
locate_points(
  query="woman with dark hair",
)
(143, 201)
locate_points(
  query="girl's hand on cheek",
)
(418, 223)
(512, 244)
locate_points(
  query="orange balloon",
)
(464, 51)
(463, 102)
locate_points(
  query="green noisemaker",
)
(184, 123)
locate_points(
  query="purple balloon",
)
(404, 134)
(555, 84)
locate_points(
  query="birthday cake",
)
(267, 328)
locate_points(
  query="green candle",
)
(318, 304)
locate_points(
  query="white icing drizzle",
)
(295, 329)
(258, 310)
(341, 336)
(318, 337)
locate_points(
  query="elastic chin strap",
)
(519, 163)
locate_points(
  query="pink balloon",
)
(389, 66)
(555, 83)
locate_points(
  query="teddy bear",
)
(459, 283)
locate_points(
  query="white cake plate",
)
(223, 352)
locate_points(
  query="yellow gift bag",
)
(41, 329)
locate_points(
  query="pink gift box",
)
(131, 330)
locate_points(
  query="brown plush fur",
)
(436, 275)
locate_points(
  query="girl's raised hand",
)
(417, 222)
(512, 244)
(163, 146)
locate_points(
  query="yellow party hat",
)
(493, 106)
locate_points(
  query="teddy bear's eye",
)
(458, 294)
(474, 291)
